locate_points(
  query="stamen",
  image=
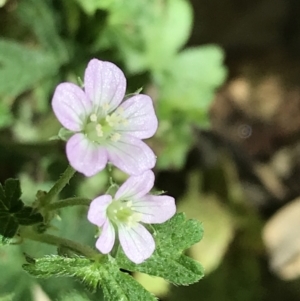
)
(93, 117)
(105, 107)
(99, 130)
(115, 137)
(112, 119)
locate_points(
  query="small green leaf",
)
(115, 284)
(168, 261)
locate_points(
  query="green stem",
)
(67, 203)
(58, 186)
(49, 239)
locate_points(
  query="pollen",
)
(99, 130)
(115, 137)
(93, 117)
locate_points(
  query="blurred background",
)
(225, 79)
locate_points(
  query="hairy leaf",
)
(168, 261)
(105, 273)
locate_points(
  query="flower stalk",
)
(68, 203)
(29, 233)
(58, 186)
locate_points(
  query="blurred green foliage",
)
(46, 42)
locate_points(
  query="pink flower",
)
(125, 213)
(104, 128)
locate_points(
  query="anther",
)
(93, 117)
(115, 137)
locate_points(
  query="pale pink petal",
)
(85, 156)
(136, 186)
(97, 211)
(71, 106)
(106, 239)
(155, 209)
(104, 84)
(141, 119)
(137, 243)
(131, 155)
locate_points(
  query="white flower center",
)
(121, 211)
(100, 129)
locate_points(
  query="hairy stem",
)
(68, 203)
(58, 186)
(28, 233)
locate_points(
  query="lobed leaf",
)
(12, 210)
(116, 285)
(168, 261)
(188, 84)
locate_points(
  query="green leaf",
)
(168, 261)
(12, 192)
(10, 195)
(8, 297)
(27, 216)
(39, 16)
(105, 273)
(189, 83)
(22, 67)
(175, 16)
(144, 31)
(12, 210)
(8, 225)
(175, 137)
(73, 296)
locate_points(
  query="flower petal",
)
(137, 243)
(155, 209)
(136, 186)
(104, 84)
(97, 211)
(106, 239)
(141, 119)
(131, 155)
(85, 156)
(71, 106)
